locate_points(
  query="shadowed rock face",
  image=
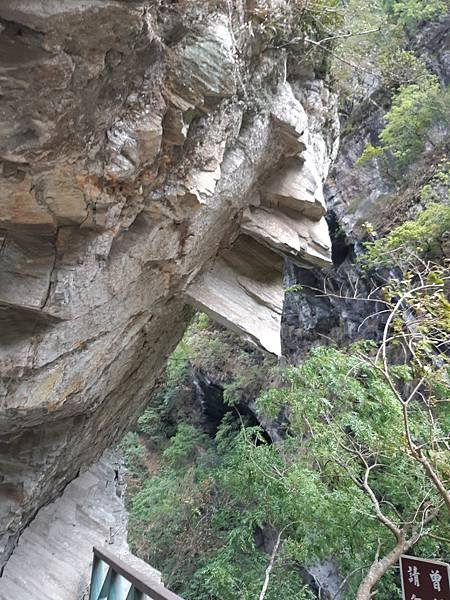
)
(134, 144)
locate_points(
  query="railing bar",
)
(134, 594)
(107, 583)
(100, 572)
(141, 582)
(122, 587)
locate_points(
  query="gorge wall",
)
(153, 156)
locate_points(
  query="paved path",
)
(53, 558)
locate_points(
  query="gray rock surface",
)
(243, 291)
(53, 558)
(133, 136)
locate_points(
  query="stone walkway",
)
(53, 558)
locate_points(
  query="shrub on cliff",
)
(416, 108)
(411, 13)
(410, 240)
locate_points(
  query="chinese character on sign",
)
(436, 577)
(413, 576)
(424, 579)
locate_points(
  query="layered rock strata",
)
(137, 142)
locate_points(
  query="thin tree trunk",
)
(270, 567)
(445, 494)
(379, 568)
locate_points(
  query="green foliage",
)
(230, 574)
(437, 188)
(410, 13)
(400, 67)
(423, 294)
(165, 514)
(293, 288)
(193, 520)
(208, 346)
(355, 58)
(157, 422)
(370, 152)
(247, 379)
(198, 516)
(341, 409)
(412, 238)
(371, 50)
(201, 321)
(216, 352)
(187, 442)
(134, 455)
(238, 365)
(172, 463)
(372, 58)
(415, 108)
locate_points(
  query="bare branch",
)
(265, 586)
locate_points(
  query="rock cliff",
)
(329, 305)
(152, 157)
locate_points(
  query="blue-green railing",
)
(112, 579)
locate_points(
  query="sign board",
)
(424, 579)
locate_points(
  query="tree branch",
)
(265, 586)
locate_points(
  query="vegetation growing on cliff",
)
(416, 108)
(346, 481)
(198, 517)
(411, 13)
(414, 238)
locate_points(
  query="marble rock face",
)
(145, 168)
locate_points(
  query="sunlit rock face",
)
(150, 158)
(242, 289)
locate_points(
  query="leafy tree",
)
(410, 13)
(415, 109)
(341, 485)
(418, 325)
(194, 520)
(347, 431)
(410, 240)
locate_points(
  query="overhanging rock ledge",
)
(147, 164)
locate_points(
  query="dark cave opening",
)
(209, 396)
(340, 248)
